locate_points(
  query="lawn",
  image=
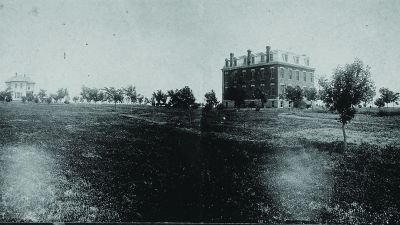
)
(90, 163)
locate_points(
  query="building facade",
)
(269, 72)
(20, 85)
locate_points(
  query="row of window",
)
(289, 72)
(262, 74)
(20, 86)
(285, 57)
(251, 60)
(271, 90)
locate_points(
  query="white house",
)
(20, 85)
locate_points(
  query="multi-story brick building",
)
(270, 72)
(20, 85)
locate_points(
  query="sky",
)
(169, 44)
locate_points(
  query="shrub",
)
(24, 99)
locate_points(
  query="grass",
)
(151, 164)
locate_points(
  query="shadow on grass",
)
(161, 173)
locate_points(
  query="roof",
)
(20, 78)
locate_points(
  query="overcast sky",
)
(169, 44)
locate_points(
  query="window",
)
(285, 57)
(290, 74)
(243, 86)
(271, 57)
(298, 75)
(282, 73)
(252, 60)
(244, 74)
(262, 58)
(305, 76)
(307, 62)
(15, 85)
(283, 87)
(29, 88)
(312, 77)
(252, 74)
(296, 59)
(235, 62)
(272, 73)
(262, 74)
(20, 85)
(252, 85)
(272, 91)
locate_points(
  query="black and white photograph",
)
(200, 111)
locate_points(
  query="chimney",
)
(226, 62)
(268, 52)
(248, 56)
(231, 62)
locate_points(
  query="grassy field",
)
(91, 163)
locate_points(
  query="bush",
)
(24, 99)
(36, 100)
(66, 102)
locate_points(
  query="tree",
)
(95, 95)
(350, 85)
(160, 97)
(42, 95)
(140, 99)
(29, 96)
(184, 99)
(260, 94)
(54, 96)
(114, 95)
(49, 99)
(237, 95)
(131, 93)
(211, 100)
(85, 93)
(388, 96)
(6, 96)
(311, 95)
(146, 101)
(75, 99)
(61, 94)
(293, 95)
(379, 102)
